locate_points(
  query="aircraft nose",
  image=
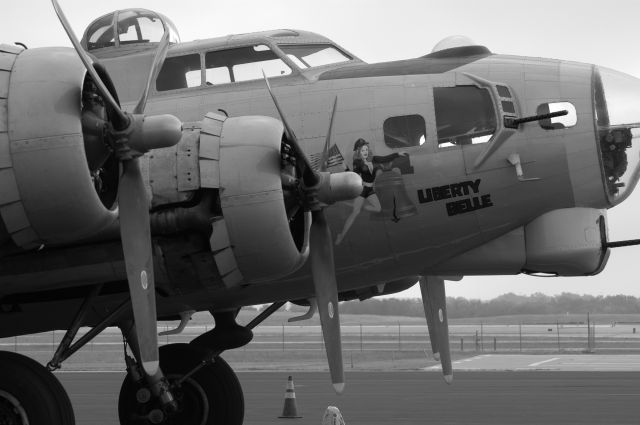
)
(617, 110)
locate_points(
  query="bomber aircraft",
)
(143, 179)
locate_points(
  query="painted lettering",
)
(439, 193)
(475, 186)
(424, 196)
(469, 205)
(456, 190)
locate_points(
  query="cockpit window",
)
(179, 72)
(131, 26)
(101, 33)
(310, 55)
(243, 64)
(139, 27)
(464, 115)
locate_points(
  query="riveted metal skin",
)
(50, 197)
(253, 242)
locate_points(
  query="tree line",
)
(504, 305)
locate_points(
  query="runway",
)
(549, 362)
(595, 395)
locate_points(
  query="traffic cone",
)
(332, 416)
(290, 410)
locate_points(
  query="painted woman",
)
(368, 167)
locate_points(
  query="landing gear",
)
(210, 396)
(227, 334)
(30, 394)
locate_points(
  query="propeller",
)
(130, 136)
(320, 189)
(435, 308)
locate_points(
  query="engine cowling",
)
(255, 241)
(47, 194)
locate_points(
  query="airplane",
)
(143, 178)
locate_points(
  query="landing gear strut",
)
(205, 388)
(210, 396)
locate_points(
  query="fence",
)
(520, 337)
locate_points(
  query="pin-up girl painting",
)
(368, 167)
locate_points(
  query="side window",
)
(464, 115)
(243, 64)
(310, 55)
(404, 131)
(179, 72)
(557, 123)
(217, 75)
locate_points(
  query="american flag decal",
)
(334, 159)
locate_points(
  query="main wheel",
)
(211, 396)
(30, 394)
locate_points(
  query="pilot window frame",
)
(302, 64)
(203, 51)
(231, 72)
(186, 86)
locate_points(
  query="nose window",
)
(616, 99)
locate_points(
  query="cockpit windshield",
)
(617, 109)
(139, 27)
(131, 26)
(312, 55)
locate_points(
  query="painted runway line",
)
(559, 362)
(543, 362)
(458, 362)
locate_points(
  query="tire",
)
(211, 396)
(28, 389)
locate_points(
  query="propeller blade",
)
(326, 289)
(287, 128)
(88, 64)
(310, 177)
(136, 244)
(435, 307)
(158, 60)
(325, 152)
(430, 316)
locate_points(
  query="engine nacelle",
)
(565, 242)
(47, 195)
(255, 241)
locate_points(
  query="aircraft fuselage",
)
(450, 184)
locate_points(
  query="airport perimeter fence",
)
(472, 338)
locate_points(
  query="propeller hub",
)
(159, 131)
(146, 133)
(335, 187)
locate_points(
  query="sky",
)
(603, 33)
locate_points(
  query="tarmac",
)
(487, 389)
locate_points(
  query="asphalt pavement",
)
(409, 398)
